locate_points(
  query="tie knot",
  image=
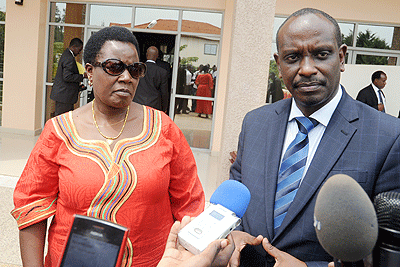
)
(306, 124)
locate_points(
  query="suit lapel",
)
(335, 139)
(273, 155)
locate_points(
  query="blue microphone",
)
(227, 206)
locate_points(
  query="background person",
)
(331, 133)
(112, 159)
(204, 83)
(66, 85)
(153, 90)
(372, 95)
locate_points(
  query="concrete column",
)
(23, 66)
(248, 71)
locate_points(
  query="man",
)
(372, 95)
(341, 135)
(152, 89)
(274, 92)
(66, 84)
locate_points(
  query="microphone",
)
(387, 249)
(227, 206)
(345, 220)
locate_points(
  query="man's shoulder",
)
(268, 109)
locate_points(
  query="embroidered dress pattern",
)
(120, 174)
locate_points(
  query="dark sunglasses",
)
(116, 67)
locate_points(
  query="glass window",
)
(371, 60)
(347, 30)
(201, 22)
(210, 49)
(67, 13)
(381, 37)
(104, 15)
(2, 10)
(195, 51)
(196, 127)
(59, 38)
(157, 19)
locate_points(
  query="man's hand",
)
(380, 107)
(241, 240)
(233, 155)
(216, 254)
(282, 259)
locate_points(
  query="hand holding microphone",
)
(217, 253)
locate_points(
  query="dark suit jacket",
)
(358, 141)
(367, 95)
(152, 89)
(66, 83)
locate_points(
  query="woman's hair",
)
(97, 40)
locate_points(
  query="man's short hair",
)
(305, 11)
(76, 42)
(377, 75)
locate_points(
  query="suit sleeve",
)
(70, 73)
(164, 91)
(361, 96)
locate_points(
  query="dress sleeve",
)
(185, 189)
(35, 195)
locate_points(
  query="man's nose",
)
(307, 67)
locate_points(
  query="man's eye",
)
(291, 58)
(323, 54)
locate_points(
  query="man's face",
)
(381, 82)
(310, 60)
(76, 50)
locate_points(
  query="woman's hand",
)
(217, 253)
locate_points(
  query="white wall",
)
(357, 77)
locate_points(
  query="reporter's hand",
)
(217, 253)
(331, 264)
(242, 239)
(282, 259)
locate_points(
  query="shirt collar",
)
(152, 61)
(71, 52)
(324, 114)
(375, 88)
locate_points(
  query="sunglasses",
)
(116, 67)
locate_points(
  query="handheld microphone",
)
(227, 205)
(345, 220)
(387, 249)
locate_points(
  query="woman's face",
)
(115, 91)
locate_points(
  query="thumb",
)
(270, 249)
(213, 248)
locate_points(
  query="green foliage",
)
(273, 67)
(188, 60)
(368, 39)
(182, 47)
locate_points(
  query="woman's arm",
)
(32, 240)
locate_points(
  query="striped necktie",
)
(291, 170)
(380, 93)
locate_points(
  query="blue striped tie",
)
(291, 170)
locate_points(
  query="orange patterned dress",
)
(144, 183)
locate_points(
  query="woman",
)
(204, 82)
(112, 159)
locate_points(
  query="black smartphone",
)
(94, 242)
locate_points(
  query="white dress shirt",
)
(323, 116)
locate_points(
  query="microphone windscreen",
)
(232, 195)
(345, 220)
(387, 206)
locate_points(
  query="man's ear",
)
(342, 56)
(276, 57)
